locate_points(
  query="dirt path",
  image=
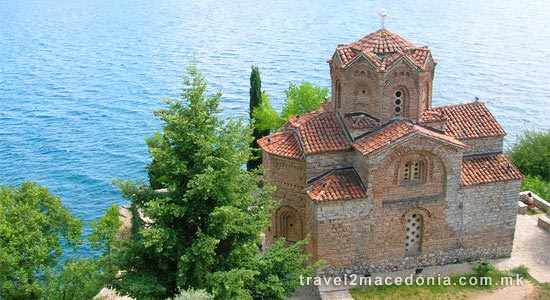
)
(513, 292)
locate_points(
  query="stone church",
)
(382, 180)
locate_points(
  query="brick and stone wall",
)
(341, 229)
(483, 145)
(489, 219)
(361, 88)
(289, 173)
(472, 222)
(458, 223)
(401, 78)
(322, 162)
(288, 176)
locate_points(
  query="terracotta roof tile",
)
(382, 42)
(337, 185)
(465, 121)
(433, 116)
(488, 169)
(282, 144)
(382, 48)
(418, 56)
(393, 132)
(319, 131)
(346, 54)
(361, 121)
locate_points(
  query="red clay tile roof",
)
(282, 144)
(319, 131)
(382, 42)
(433, 116)
(361, 121)
(337, 185)
(488, 169)
(395, 131)
(383, 48)
(465, 121)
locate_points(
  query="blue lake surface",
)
(79, 79)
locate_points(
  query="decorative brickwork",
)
(382, 181)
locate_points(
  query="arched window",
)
(414, 170)
(413, 234)
(398, 98)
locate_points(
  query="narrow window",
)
(413, 234)
(398, 103)
(416, 171)
(407, 172)
(338, 94)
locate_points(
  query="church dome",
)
(382, 42)
(383, 48)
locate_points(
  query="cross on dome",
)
(383, 14)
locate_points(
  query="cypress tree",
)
(255, 101)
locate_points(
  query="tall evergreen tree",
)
(208, 222)
(255, 101)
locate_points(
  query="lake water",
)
(79, 79)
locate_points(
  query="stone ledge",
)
(539, 202)
(544, 223)
(522, 208)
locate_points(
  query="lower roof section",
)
(338, 184)
(283, 144)
(488, 169)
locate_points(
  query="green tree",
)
(208, 221)
(536, 185)
(32, 224)
(255, 101)
(106, 237)
(531, 154)
(301, 99)
(265, 116)
(276, 276)
(78, 279)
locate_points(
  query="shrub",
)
(522, 271)
(531, 154)
(194, 295)
(483, 268)
(536, 185)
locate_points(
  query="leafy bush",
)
(300, 99)
(483, 268)
(265, 116)
(536, 185)
(194, 295)
(531, 154)
(522, 271)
